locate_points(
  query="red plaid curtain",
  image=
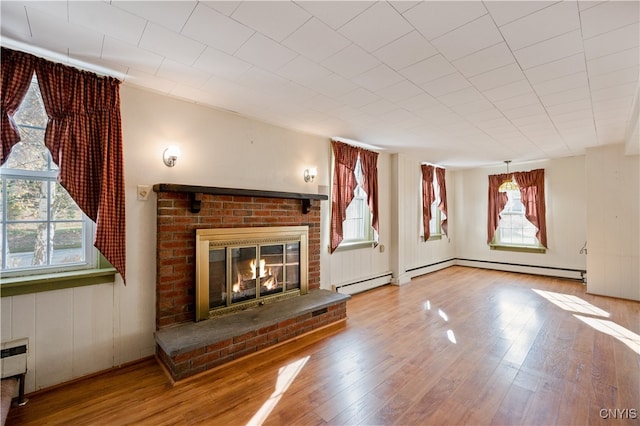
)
(369, 163)
(16, 73)
(344, 183)
(497, 201)
(84, 135)
(532, 191)
(428, 197)
(442, 186)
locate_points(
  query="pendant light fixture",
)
(508, 184)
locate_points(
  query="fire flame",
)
(263, 272)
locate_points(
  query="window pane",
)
(26, 244)
(68, 243)
(31, 111)
(26, 199)
(30, 153)
(62, 205)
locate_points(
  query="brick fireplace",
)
(181, 210)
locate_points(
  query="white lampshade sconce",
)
(310, 174)
(170, 155)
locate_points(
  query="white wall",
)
(414, 255)
(565, 188)
(613, 206)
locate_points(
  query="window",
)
(516, 217)
(357, 225)
(434, 203)
(514, 228)
(435, 228)
(42, 228)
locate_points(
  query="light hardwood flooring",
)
(458, 346)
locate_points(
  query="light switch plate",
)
(143, 192)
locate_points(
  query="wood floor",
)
(459, 346)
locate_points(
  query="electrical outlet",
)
(143, 192)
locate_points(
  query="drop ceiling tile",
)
(496, 122)
(225, 7)
(433, 113)
(322, 103)
(614, 62)
(170, 14)
(216, 30)
(542, 25)
(609, 16)
(427, 70)
(447, 84)
(582, 114)
(587, 4)
(531, 120)
(485, 60)
(142, 79)
(375, 27)
(504, 12)
(174, 46)
(612, 115)
(403, 6)
(335, 13)
(569, 106)
(626, 75)
(334, 86)
(400, 91)
(379, 107)
(528, 98)
(520, 112)
(463, 96)
(498, 77)
(577, 94)
(262, 81)
(284, 17)
(104, 18)
(378, 78)
(473, 107)
(614, 41)
(316, 40)
(507, 91)
(436, 18)
(358, 98)
(613, 104)
(221, 64)
(350, 62)
(550, 50)
(480, 117)
(265, 53)
(407, 50)
(563, 83)
(117, 51)
(418, 102)
(70, 39)
(398, 117)
(303, 71)
(178, 72)
(621, 91)
(15, 24)
(470, 38)
(556, 69)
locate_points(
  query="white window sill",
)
(518, 248)
(345, 246)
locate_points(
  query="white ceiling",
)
(464, 83)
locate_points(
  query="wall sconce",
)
(310, 174)
(170, 155)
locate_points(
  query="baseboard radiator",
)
(575, 274)
(363, 284)
(13, 364)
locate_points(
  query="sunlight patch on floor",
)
(286, 376)
(572, 303)
(626, 336)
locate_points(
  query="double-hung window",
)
(43, 230)
(357, 225)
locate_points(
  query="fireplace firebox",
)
(238, 268)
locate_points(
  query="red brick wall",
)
(175, 263)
